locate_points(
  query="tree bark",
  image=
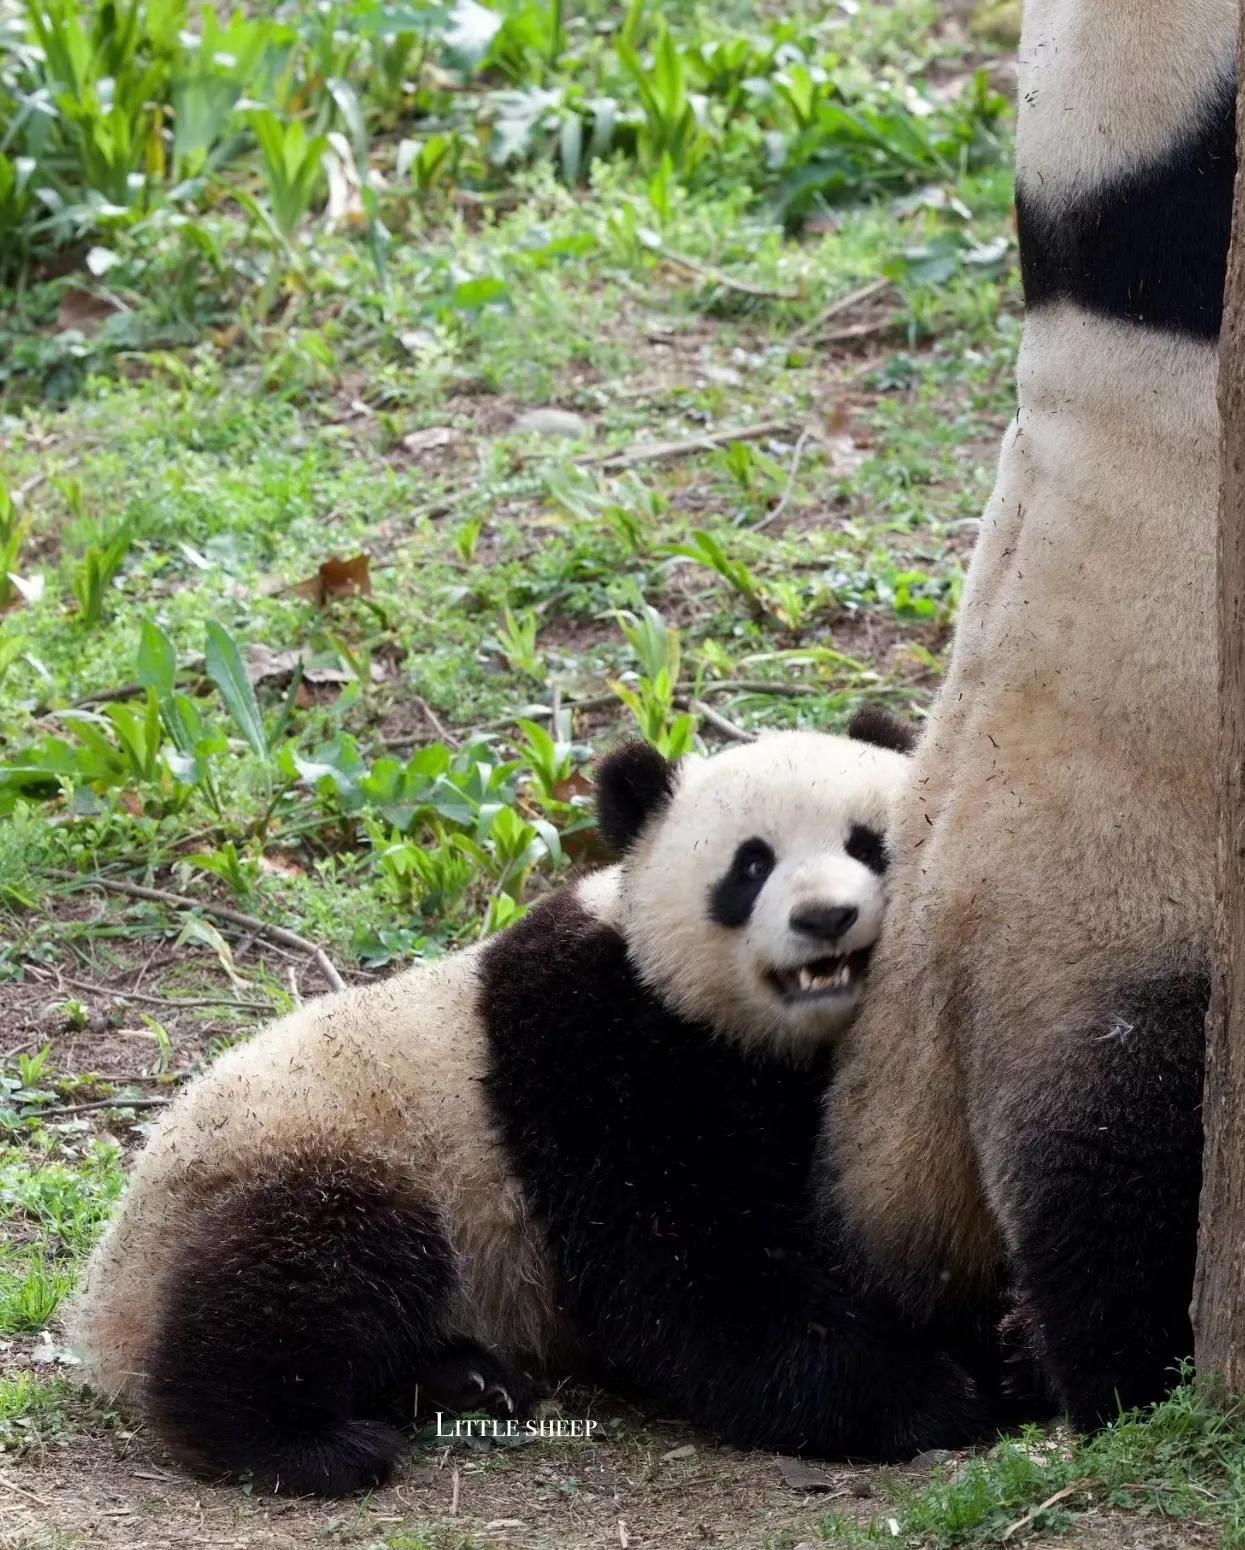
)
(1219, 1288)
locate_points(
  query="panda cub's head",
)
(753, 882)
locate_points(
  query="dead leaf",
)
(281, 866)
(86, 312)
(338, 578)
(264, 665)
(844, 455)
(26, 589)
(802, 1477)
(575, 785)
(932, 1458)
(345, 202)
(196, 929)
(430, 438)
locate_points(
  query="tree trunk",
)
(1219, 1289)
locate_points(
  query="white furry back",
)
(394, 1067)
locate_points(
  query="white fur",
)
(1107, 85)
(801, 792)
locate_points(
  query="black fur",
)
(872, 724)
(634, 783)
(1149, 247)
(733, 897)
(305, 1305)
(1102, 1201)
(868, 847)
(668, 1169)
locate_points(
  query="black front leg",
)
(1099, 1172)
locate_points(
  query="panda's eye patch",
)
(868, 847)
(731, 898)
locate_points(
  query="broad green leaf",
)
(224, 667)
(157, 661)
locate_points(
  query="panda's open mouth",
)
(837, 974)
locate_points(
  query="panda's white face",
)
(752, 900)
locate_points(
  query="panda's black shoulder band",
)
(872, 724)
(634, 783)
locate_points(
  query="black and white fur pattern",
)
(1020, 1096)
(583, 1146)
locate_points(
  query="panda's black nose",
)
(824, 922)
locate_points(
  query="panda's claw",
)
(463, 1376)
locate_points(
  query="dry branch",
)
(279, 934)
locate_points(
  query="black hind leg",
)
(1101, 1173)
(305, 1300)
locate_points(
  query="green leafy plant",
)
(94, 575)
(651, 698)
(292, 163)
(14, 526)
(672, 125)
(705, 549)
(516, 640)
(225, 668)
(239, 872)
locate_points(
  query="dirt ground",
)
(116, 1496)
(642, 1486)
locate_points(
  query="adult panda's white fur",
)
(585, 1141)
(1022, 1087)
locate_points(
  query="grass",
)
(1183, 1460)
(311, 610)
(34, 1414)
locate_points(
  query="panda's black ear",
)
(872, 724)
(633, 783)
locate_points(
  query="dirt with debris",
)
(641, 1485)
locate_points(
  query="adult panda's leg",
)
(309, 1297)
(791, 1361)
(1095, 1173)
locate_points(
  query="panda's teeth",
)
(806, 979)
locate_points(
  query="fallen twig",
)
(654, 451)
(12, 1485)
(600, 701)
(858, 331)
(720, 277)
(837, 308)
(152, 1102)
(1068, 1490)
(263, 928)
(784, 499)
(438, 726)
(118, 993)
(716, 719)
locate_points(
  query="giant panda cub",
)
(581, 1146)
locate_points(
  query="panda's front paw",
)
(465, 1377)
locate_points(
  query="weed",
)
(92, 580)
(14, 525)
(516, 640)
(705, 549)
(1179, 1460)
(31, 1413)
